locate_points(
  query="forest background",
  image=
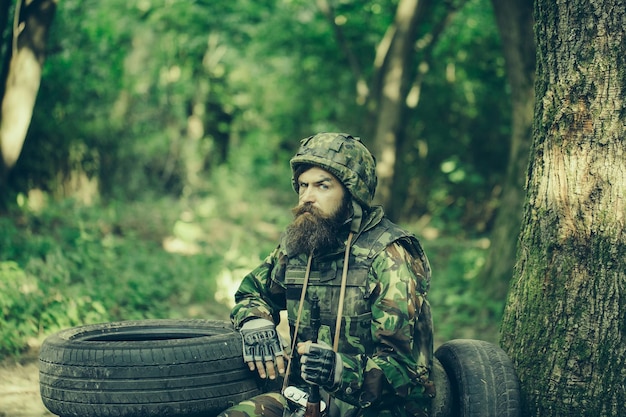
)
(155, 171)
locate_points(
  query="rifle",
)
(307, 404)
(313, 408)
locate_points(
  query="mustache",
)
(306, 208)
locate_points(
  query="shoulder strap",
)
(295, 333)
(342, 293)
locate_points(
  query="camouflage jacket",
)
(386, 336)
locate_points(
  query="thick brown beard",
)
(311, 231)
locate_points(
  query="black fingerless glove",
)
(260, 341)
(320, 365)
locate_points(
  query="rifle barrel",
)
(313, 408)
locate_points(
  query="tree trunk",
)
(24, 76)
(515, 23)
(565, 321)
(393, 89)
(401, 184)
(396, 76)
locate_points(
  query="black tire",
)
(483, 382)
(442, 403)
(144, 368)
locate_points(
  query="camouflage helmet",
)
(344, 156)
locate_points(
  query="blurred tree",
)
(21, 75)
(395, 83)
(137, 97)
(515, 23)
(396, 86)
(453, 157)
(75, 139)
(564, 321)
(154, 95)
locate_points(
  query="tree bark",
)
(565, 321)
(24, 76)
(515, 24)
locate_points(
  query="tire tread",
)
(482, 379)
(195, 368)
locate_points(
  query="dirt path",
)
(19, 388)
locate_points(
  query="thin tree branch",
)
(353, 62)
(426, 46)
(16, 26)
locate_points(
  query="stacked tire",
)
(144, 368)
(182, 368)
(481, 380)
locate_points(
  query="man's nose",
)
(307, 196)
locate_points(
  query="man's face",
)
(320, 189)
(323, 206)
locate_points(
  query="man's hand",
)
(319, 364)
(262, 348)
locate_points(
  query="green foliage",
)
(69, 265)
(459, 144)
(460, 308)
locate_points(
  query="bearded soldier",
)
(374, 352)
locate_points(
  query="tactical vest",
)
(325, 281)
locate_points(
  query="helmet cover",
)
(344, 156)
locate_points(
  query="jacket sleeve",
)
(402, 332)
(260, 295)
